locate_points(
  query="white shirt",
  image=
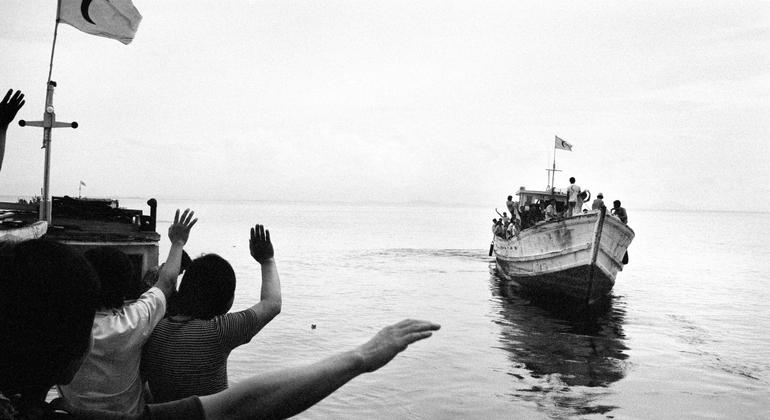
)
(109, 377)
(573, 190)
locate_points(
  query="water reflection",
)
(564, 359)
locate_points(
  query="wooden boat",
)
(575, 257)
(85, 223)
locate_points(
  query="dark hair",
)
(48, 297)
(510, 197)
(616, 202)
(206, 290)
(116, 274)
(572, 180)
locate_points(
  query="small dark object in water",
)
(312, 326)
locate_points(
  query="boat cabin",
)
(532, 197)
(85, 223)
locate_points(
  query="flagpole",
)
(55, 33)
(48, 122)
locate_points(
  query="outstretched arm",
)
(261, 250)
(287, 392)
(178, 233)
(9, 106)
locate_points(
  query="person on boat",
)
(574, 202)
(187, 353)
(511, 231)
(9, 106)
(504, 219)
(598, 203)
(48, 298)
(619, 212)
(497, 228)
(109, 376)
(550, 211)
(513, 207)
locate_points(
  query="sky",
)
(666, 104)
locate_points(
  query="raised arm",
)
(287, 392)
(9, 106)
(178, 233)
(261, 250)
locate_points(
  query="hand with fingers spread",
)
(391, 340)
(259, 244)
(179, 231)
(9, 106)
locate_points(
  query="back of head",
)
(48, 297)
(206, 290)
(510, 197)
(572, 180)
(616, 203)
(116, 274)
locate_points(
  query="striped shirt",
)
(185, 358)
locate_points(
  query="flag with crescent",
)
(116, 19)
(563, 145)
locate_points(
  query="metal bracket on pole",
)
(49, 122)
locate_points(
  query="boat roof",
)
(529, 195)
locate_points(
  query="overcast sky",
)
(666, 103)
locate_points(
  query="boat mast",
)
(49, 122)
(552, 172)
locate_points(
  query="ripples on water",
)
(684, 334)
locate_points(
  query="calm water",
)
(685, 334)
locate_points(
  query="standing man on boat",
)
(572, 194)
(9, 106)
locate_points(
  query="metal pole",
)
(49, 116)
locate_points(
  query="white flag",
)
(561, 144)
(116, 19)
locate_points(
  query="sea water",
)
(684, 335)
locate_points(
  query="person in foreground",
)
(48, 298)
(109, 377)
(9, 106)
(187, 353)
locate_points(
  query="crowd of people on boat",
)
(118, 347)
(539, 211)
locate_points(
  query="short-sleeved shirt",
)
(184, 358)
(573, 190)
(597, 204)
(109, 377)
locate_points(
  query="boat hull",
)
(576, 258)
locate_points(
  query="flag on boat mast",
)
(561, 144)
(115, 19)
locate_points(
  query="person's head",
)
(600, 195)
(116, 275)
(572, 180)
(48, 297)
(510, 197)
(494, 221)
(505, 214)
(616, 203)
(207, 288)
